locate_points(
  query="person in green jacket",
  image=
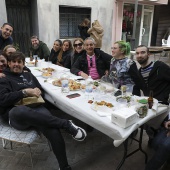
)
(39, 48)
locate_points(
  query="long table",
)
(81, 109)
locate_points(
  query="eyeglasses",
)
(79, 44)
(91, 62)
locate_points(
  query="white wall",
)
(48, 18)
(3, 16)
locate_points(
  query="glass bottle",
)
(31, 58)
(36, 61)
(150, 99)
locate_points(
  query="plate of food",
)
(57, 82)
(73, 85)
(31, 64)
(48, 69)
(46, 75)
(128, 98)
(102, 108)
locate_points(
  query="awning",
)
(147, 2)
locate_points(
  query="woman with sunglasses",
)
(78, 50)
(64, 57)
(55, 51)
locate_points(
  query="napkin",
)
(103, 114)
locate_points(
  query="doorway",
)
(19, 15)
(146, 27)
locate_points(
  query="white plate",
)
(30, 65)
(102, 110)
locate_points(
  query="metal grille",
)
(18, 14)
(70, 17)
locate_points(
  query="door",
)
(18, 14)
(146, 27)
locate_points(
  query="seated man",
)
(17, 85)
(5, 35)
(39, 48)
(93, 62)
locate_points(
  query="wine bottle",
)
(31, 58)
(150, 99)
(36, 60)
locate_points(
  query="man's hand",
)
(2, 75)
(84, 75)
(167, 125)
(33, 92)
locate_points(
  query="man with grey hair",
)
(93, 62)
(39, 48)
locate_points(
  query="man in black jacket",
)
(18, 85)
(5, 35)
(93, 62)
(156, 77)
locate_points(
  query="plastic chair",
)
(8, 133)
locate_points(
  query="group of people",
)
(83, 59)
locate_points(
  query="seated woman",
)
(64, 57)
(55, 51)
(122, 69)
(78, 50)
(8, 50)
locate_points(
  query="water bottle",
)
(64, 84)
(89, 86)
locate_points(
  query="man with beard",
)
(5, 35)
(156, 77)
(39, 48)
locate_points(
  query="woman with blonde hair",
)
(78, 49)
(64, 57)
(8, 50)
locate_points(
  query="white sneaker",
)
(77, 133)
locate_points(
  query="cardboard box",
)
(124, 117)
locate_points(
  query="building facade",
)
(52, 19)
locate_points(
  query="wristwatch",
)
(24, 92)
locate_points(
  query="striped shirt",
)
(146, 71)
(92, 67)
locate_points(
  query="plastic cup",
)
(129, 88)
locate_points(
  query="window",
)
(69, 18)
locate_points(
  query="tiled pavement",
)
(95, 153)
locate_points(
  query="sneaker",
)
(66, 168)
(77, 133)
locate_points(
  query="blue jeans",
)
(161, 143)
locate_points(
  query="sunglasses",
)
(79, 44)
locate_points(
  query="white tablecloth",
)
(81, 109)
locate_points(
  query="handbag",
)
(31, 101)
